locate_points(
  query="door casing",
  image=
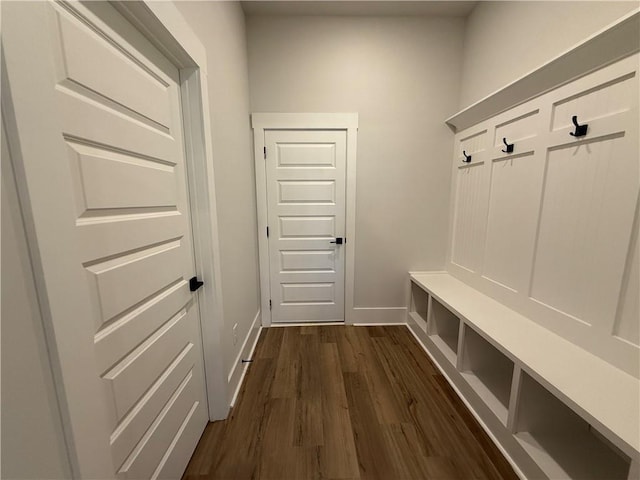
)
(305, 121)
(167, 30)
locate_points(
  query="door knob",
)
(195, 284)
(337, 241)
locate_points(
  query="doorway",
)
(305, 183)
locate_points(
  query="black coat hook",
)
(508, 145)
(467, 158)
(581, 130)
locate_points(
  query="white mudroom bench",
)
(553, 408)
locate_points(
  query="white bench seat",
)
(604, 396)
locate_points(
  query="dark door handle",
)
(337, 241)
(195, 284)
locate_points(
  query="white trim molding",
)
(612, 43)
(239, 369)
(304, 121)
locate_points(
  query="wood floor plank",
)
(373, 458)
(398, 444)
(309, 430)
(338, 456)
(401, 382)
(348, 347)
(388, 409)
(275, 459)
(202, 462)
(246, 424)
(377, 331)
(270, 343)
(309, 330)
(287, 365)
(345, 403)
(329, 333)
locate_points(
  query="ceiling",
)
(359, 8)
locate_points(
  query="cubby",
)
(488, 371)
(443, 329)
(560, 442)
(418, 306)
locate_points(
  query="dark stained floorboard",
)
(345, 403)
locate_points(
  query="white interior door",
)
(305, 172)
(98, 124)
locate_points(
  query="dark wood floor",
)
(338, 402)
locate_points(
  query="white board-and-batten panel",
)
(514, 188)
(585, 225)
(591, 192)
(469, 201)
(560, 212)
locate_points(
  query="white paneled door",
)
(305, 172)
(99, 132)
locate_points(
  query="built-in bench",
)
(555, 409)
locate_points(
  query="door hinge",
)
(265, 153)
(269, 304)
(267, 232)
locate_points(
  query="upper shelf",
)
(607, 46)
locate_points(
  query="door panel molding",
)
(348, 122)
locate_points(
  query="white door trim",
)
(305, 121)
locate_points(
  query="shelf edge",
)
(614, 42)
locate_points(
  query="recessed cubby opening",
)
(444, 328)
(488, 371)
(562, 443)
(419, 306)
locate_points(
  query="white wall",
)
(505, 40)
(402, 76)
(220, 26)
(32, 441)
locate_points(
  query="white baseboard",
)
(378, 324)
(236, 375)
(379, 315)
(305, 324)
